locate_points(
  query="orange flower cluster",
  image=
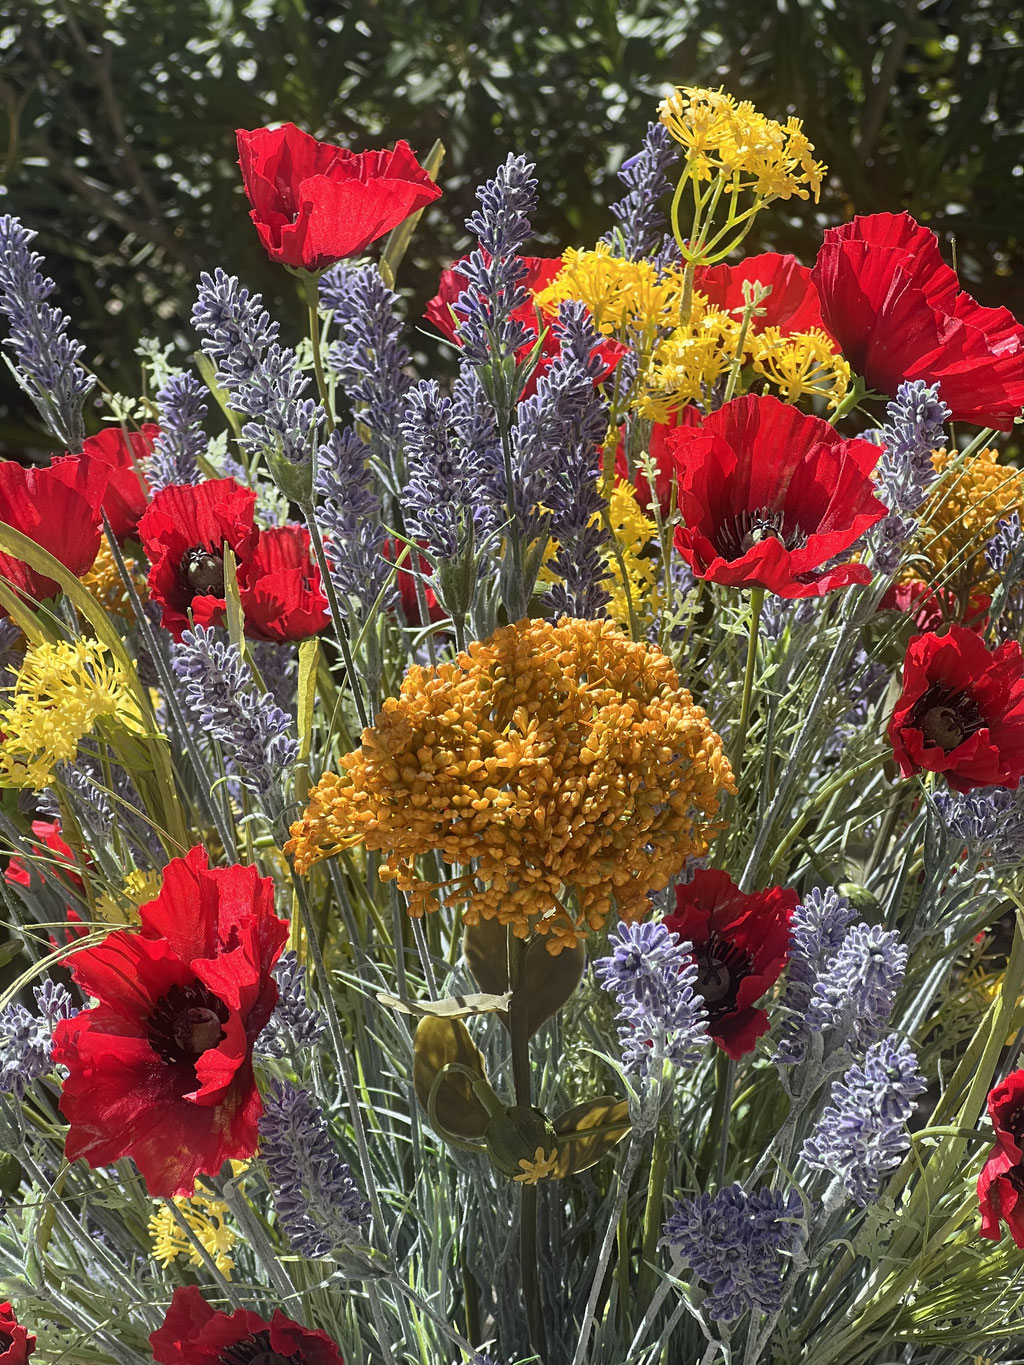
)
(565, 761)
(964, 508)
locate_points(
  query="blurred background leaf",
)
(117, 129)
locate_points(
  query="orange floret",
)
(562, 759)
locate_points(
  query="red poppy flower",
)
(48, 837)
(792, 306)
(740, 945)
(194, 1334)
(443, 312)
(961, 711)
(898, 312)
(770, 495)
(1006, 1110)
(931, 606)
(57, 507)
(314, 204)
(161, 1069)
(16, 1344)
(392, 549)
(184, 531)
(127, 494)
(1001, 1196)
(280, 588)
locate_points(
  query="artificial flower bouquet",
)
(524, 868)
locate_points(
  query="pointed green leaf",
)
(596, 1126)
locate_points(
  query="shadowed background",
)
(117, 130)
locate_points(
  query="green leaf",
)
(452, 1007)
(448, 1098)
(596, 1126)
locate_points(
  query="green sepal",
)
(451, 1007)
(294, 480)
(587, 1131)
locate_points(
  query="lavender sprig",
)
(661, 1018)
(318, 1202)
(46, 363)
(294, 1026)
(494, 272)
(262, 377)
(734, 1242)
(912, 429)
(368, 357)
(220, 691)
(181, 404)
(348, 509)
(861, 1135)
(639, 215)
(988, 820)
(26, 1040)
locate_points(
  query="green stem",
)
(312, 284)
(340, 632)
(822, 798)
(653, 1212)
(518, 1027)
(756, 603)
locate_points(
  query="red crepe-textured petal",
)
(749, 934)
(127, 494)
(754, 456)
(958, 664)
(314, 204)
(57, 507)
(49, 837)
(1001, 1197)
(898, 313)
(792, 306)
(187, 517)
(192, 1333)
(1006, 1110)
(280, 588)
(16, 1342)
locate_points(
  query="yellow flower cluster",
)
(561, 766)
(963, 512)
(622, 295)
(208, 1220)
(689, 362)
(723, 137)
(121, 906)
(801, 363)
(60, 692)
(628, 565)
(106, 585)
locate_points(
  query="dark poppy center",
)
(747, 529)
(946, 717)
(721, 966)
(186, 1023)
(203, 572)
(6, 1340)
(255, 1350)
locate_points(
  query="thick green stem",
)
(652, 1214)
(518, 1027)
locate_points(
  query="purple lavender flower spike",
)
(661, 1018)
(734, 1241)
(494, 272)
(182, 410)
(368, 357)
(857, 990)
(220, 692)
(348, 510)
(639, 215)
(318, 1202)
(46, 358)
(816, 932)
(26, 1040)
(261, 376)
(988, 820)
(861, 1134)
(294, 1026)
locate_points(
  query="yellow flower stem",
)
(312, 285)
(741, 341)
(756, 603)
(847, 404)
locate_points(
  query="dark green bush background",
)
(117, 119)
